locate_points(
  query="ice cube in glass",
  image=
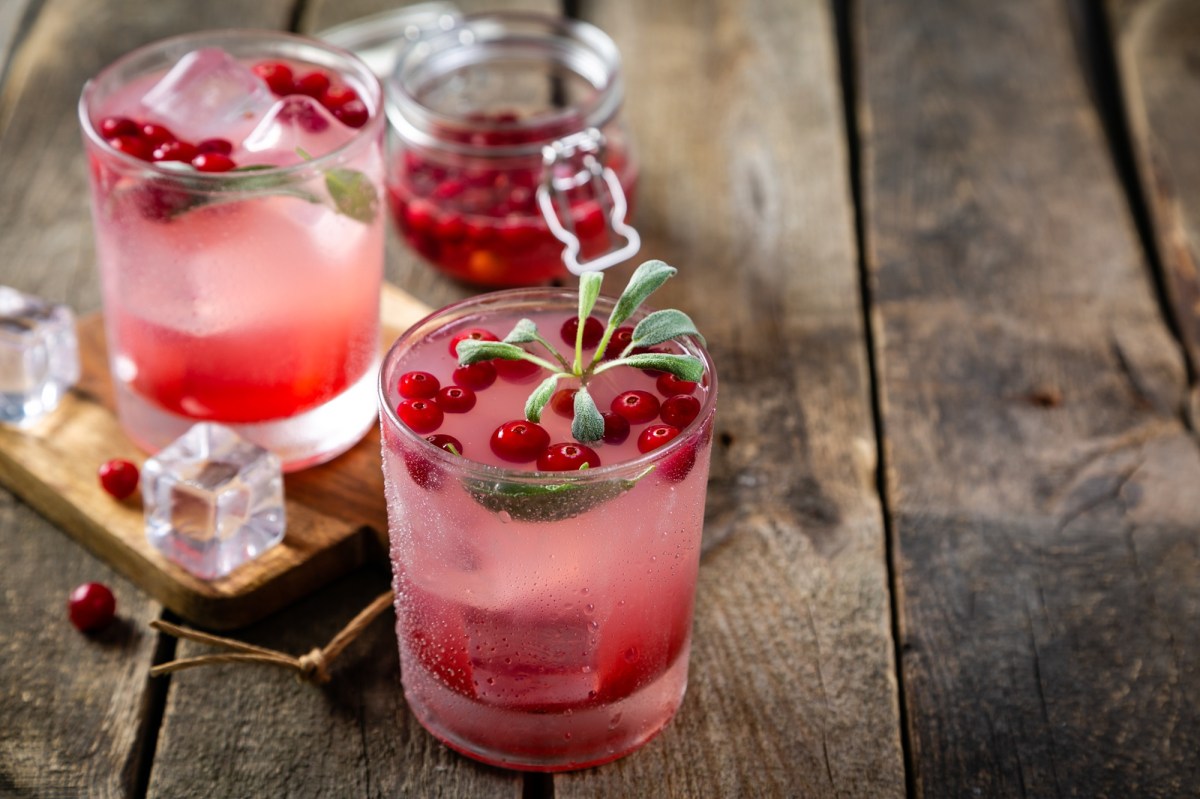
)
(209, 93)
(39, 356)
(294, 129)
(213, 500)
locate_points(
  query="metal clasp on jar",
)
(588, 145)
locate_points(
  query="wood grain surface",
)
(1157, 45)
(1040, 483)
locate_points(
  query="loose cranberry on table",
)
(91, 606)
(118, 477)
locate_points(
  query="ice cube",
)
(208, 93)
(39, 356)
(213, 501)
(296, 128)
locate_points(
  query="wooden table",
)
(946, 257)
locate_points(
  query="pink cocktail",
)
(238, 212)
(543, 610)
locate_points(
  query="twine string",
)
(312, 667)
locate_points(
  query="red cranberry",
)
(636, 406)
(515, 371)
(618, 342)
(132, 145)
(337, 96)
(562, 402)
(669, 385)
(476, 377)
(156, 134)
(616, 428)
(112, 127)
(418, 385)
(422, 415)
(680, 410)
(222, 146)
(314, 84)
(118, 477)
(475, 334)
(277, 76)
(353, 114)
(175, 151)
(519, 441)
(448, 443)
(91, 606)
(456, 399)
(567, 457)
(593, 331)
(655, 436)
(213, 162)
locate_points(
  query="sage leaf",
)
(685, 367)
(588, 425)
(589, 291)
(644, 281)
(353, 194)
(552, 502)
(540, 396)
(523, 332)
(471, 351)
(663, 326)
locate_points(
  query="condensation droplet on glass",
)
(504, 516)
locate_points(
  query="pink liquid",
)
(259, 310)
(529, 640)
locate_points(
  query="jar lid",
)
(378, 39)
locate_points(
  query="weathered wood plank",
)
(1041, 484)
(1157, 43)
(257, 731)
(738, 116)
(11, 13)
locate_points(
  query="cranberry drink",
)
(510, 144)
(545, 485)
(237, 190)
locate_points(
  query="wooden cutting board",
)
(336, 517)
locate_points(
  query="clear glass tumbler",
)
(239, 233)
(544, 617)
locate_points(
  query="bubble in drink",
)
(209, 93)
(294, 125)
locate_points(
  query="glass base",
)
(313, 437)
(565, 740)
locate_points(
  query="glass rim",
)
(636, 467)
(301, 171)
(414, 120)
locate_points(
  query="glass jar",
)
(511, 164)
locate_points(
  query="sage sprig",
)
(655, 328)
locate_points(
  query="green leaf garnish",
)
(663, 326)
(656, 328)
(547, 502)
(588, 424)
(353, 194)
(540, 396)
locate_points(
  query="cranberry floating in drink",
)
(545, 551)
(512, 165)
(237, 197)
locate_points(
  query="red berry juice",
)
(240, 248)
(544, 617)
